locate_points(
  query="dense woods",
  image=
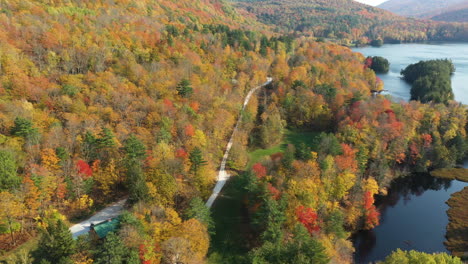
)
(348, 22)
(101, 100)
(430, 80)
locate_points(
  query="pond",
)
(413, 216)
(402, 55)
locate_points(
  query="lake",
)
(402, 55)
(413, 216)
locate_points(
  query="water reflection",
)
(412, 217)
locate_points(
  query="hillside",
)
(460, 15)
(349, 22)
(420, 8)
(113, 99)
(101, 100)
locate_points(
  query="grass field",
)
(294, 137)
(230, 243)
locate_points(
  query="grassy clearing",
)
(234, 238)
(27, 246)
(460, 174)
(457, 229)
(230, 242)
(295, 137)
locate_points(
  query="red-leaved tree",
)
(371, 213)
(308, 217)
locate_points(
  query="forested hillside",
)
(102, 100)
(349, 22)
(459, 15)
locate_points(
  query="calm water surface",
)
(413, 216)
(402, 55)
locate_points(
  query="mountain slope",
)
(459, 15)
(420, 8)
(349, 22)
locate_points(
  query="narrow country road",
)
(111, 211)
(223, 176)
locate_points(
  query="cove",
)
(402, 55)
(413, 216)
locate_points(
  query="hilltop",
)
(421, 8)
(439, 10)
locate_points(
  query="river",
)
(413, 214)
(402, 55)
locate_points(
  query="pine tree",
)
(8, 176)
(24, 128)
(56, 244)
(112, 251)
(199, 211)
(134, 148)
(135, 152)
(184, 88)
(197, 160)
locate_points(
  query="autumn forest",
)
(116, 99)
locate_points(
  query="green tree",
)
(24, 128)
(134, 148)
(196, 160)
(106, 139)
(432, 88)
(199, 211)
(303, 249)
(136, 179)
(407, 257)
(184, 88)
(272, 128)
(380, 64)
(56, 244)
(89, 146)
(112, 251)
(9, 178)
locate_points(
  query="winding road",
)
(116, 209)
(223, 176)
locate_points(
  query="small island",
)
(378, 64)
(430, 80)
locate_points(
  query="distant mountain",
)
(426, 8)
(349, 22)
(460, 15)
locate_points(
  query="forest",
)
(104, 100)
(430, 80)
(348, 22)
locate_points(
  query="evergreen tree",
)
(56, 244)
(89, 146)
(196, 160)
(199, 211)
(135, 152)
(8, 175)
(380, 64)
(106, 139)
(134, 148)
(112, 251)
(24, 128)
(303, 152)
(184, 89)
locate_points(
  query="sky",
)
(371, 2)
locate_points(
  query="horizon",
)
(371, 2)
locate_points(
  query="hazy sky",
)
(371, 2)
